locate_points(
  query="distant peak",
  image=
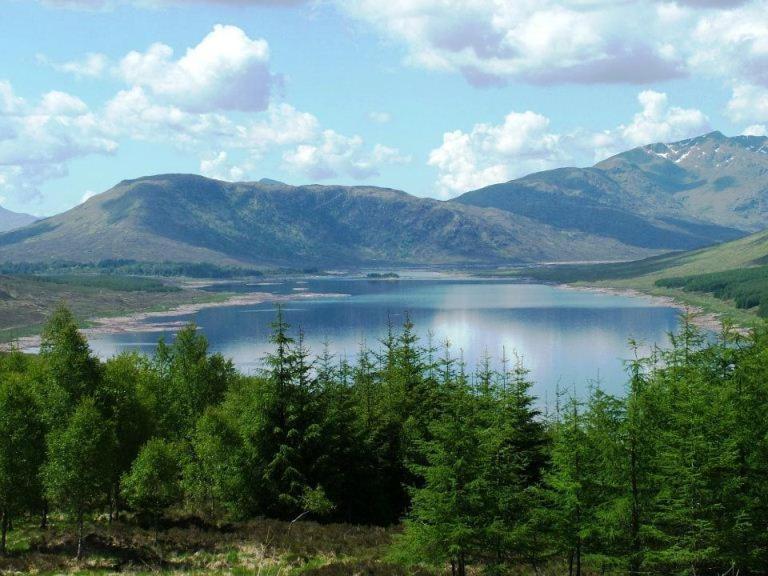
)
(272, 182)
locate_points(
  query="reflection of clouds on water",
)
(564, 336)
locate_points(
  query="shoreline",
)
(142, 321)
(709, 321)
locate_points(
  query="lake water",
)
(566, 337)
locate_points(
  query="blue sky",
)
(434, 97)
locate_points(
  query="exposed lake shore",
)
(159, 321)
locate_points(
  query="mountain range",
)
(10, 220)
(651, 199)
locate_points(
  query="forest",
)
(746, 287)
(476, 475)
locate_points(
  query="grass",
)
(26, 302)
(109, 282)
(261, 547)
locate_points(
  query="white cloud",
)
(87, 195)
(524, 143)
(227, 70)
(380, 117)
(37, 140)
(494, 153)
(540, 41)
(733, 44)
(659, 122)
(218, 166)
(92, 65)
(748, 103)
(338, 155)
(756, 130)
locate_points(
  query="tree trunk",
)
(453, 567)
(80, 535)
(578, 557)
(44, 516)
(462, 565)
(4, 534)
(570, 563)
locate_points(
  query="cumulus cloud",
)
(488, 154)
(657, 121)
(540, 41)
(524, 143)
(219, 166)
(575, 41)
(755, 130)
(338, 155)
(227, 70)
(38, 139)
(748, 103)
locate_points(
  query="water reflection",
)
(565, 336)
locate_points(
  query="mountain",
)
(191, 218)
(694, 192)
(11, 220)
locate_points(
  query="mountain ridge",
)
(192, 218)
(644, 201)
(709, 180)
(10, 220)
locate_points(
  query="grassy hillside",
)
(10, 220)
(26, 302)
(727, 279)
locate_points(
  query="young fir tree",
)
(80, 462)
(515, 444)
(291, 443)
(568, 506)
(446, 522)
(22, 451)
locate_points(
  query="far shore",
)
(154, 321)
(709, 321)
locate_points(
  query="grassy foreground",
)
(189, 546)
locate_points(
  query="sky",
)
(434, 97)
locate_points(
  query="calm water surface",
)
(565, 337)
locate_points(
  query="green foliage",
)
(153, 483)
(79, 468)
(668, 479)
(72, 371)
(747, 288)
(22, 450)
(64, 268)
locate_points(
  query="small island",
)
(382, 276)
